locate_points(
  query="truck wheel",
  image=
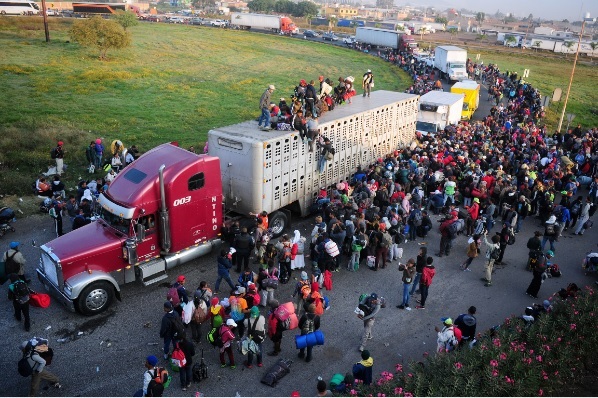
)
(95, 298)
(278, 222)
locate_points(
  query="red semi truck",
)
(167, 207)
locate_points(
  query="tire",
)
(3, 12)
(278, 222)
(95, 298)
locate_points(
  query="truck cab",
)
(471, 97)
(163, 210)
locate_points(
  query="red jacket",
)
(444, 227)
(474, 211)
(428, 275)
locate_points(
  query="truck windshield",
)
(457, 66)
(465, 106)
(425, 127)
(116, 222)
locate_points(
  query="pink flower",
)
(458, 365)
(494, 363)
(410, 374)
(407, 394)
(496, 342)
(503, 356)
(353, 392)
(509, 380)
(556, 372)
(531, 352)
(540, 393)
(494, 373)
(381, 395)
(576, 312)
(573, 326)
(398, 391)
(539, 358)
(558, 339)
(426, 354)
(398, 367)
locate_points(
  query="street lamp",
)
(583, 24)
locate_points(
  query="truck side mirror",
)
(140, 231)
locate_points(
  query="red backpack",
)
(458, 333)
(173, 296)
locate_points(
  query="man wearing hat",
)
(179, 285)
(298, 291)
(368, 82)
(150, 373)
(38, 356)
(14, 261)
(256, 331)
(227, 335)
(265, 108)
(551, 232)
(446, 340)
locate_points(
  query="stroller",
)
(7, 215)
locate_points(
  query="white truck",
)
(451, 62)
(274, 171)
(278, 24)
(438, 109)
(378, 37)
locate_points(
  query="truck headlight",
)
(67, 289)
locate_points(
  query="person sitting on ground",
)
(362, 370)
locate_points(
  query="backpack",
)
(550, 230)
(305, 291)
(235, 310)
(178, 357)
(200, 315)
(21, 291)
(576, 208)
(24, 367)
(10, 265)
(417, 218)
(364, 304)
(177, 326)
(555, 271)
(54, 153)
(173, 296)
(309, 324)
(452, 343)
(331, 248)
(160, 380)
(386, 239)
(286, 254)
(452, 229)
(495, 254)
(256, 335)
(214, 337)
(458, 333)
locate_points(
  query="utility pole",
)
(583, 24)
(45, 12)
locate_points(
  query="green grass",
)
(174, 84)
(548, 74)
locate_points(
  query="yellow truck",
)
(471, 92)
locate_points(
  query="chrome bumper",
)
(54, 291)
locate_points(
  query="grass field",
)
(176, 83)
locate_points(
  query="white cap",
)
(231, 322)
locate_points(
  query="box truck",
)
(451, 62)
(378, 37)
(278, 24)
(471, 97)
(167, 207)
(438, 109)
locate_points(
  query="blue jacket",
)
(224, 265)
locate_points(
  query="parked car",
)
(176, 20)
(330, 37)
(310, 33)
(219, 22)
(155, 18)
(50, 12)
(196, 21)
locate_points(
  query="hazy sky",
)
(546, 9)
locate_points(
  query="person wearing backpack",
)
(415, 221)
(492, 253)
(18, 293)
(256, 331)
(177, 294)
(447, 235)
(467, 323)
(150, 373)
(308, 323)
(446, 341)
(551, 232)
(370, 305)
(227, 335)
(301, 291)
(284, 258)
(34, 351)
(201, 299)
(170, 328)
(15, 262)
(185, 372)
(428, 274)
(244, 244)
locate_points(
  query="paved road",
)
(107, 358)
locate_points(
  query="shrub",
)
(101, 33)
(546, 358)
